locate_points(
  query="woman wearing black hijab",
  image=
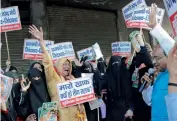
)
(37, 93)
(119, 97)
(101, 65)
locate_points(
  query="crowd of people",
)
(116, 83)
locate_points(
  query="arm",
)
(147, 95)
(47, 61)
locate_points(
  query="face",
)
(38, 66)
(159, 58)
(66, 68)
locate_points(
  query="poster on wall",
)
(10, 19)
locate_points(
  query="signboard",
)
(121, 48)
(128, 9)
(97, 51)
(171, 8)
(140, 17)
(5, 87)
(47, 111)
(75, 92)
(86, 52)
(32, 49)
(62, 50)
(10, 19)
(94, 104)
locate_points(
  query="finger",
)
(28, 84)
(32, 28)
(174, 50)
(41, 30)
(35, 27)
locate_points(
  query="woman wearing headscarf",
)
(55, 74)
(119, 104)
(36, 94)
(143, 57)
(101, 65)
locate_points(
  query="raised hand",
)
(38, 34)
(152, 17)
(24, 87)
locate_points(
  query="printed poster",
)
(75, 92)
(10, 19)
(140, 18)
(6, 86)
(32, 49)
(86, 52)
(48, 111)
(171, 9)
(129, 8)
(121, 49)
(62, 50)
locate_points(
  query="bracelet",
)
(172, 84)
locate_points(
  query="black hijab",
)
(117, 84)
(38, 93)
(101, 65)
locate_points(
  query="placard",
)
(10, 19)
(75, 92)
(94, 104)
(121, 49)
(97, 51)
(128, 9)
(32, 49)
(6, 86)
(140, 17)
(62, 50)
(171, 8)
(86, 52)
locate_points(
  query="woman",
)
(61, 73)
(143, 57)
(119, 97)
(36, 94)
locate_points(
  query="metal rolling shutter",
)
(82, 27)
(15, 41)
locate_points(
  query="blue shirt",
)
(171, 101)
(160, 90)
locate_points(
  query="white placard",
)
(140, 17)
(10, 19)
(121, 48)
(128, 9)
(97, 50)
(75, 92)
(62, 50)
(32, 49)
(86, 52)
(96, 104)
